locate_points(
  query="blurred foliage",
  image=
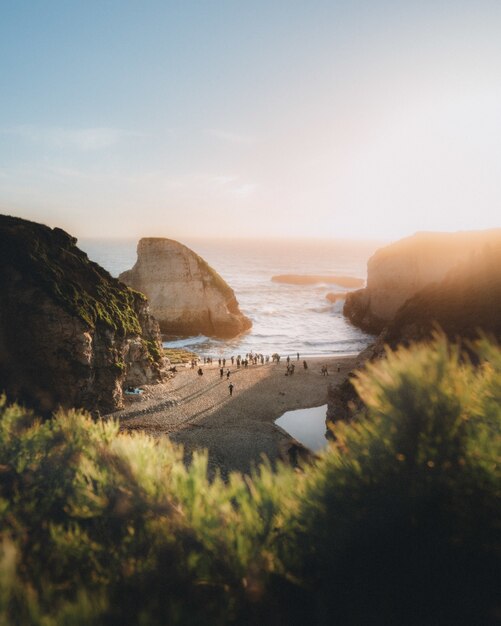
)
(397, 523)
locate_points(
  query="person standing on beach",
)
(305, 365)
(230, 387)
(221, 372)
(298, 356)
(228, 375)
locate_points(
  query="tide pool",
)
(307, 426)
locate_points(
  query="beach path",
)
(198, 411)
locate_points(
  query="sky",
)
(356, 118)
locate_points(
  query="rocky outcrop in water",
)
(399, 271)
(336, 297)
(314, 279)
(185, 294)
(70, 334)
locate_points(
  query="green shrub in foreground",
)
(84, 510)
(400, 522)
(397, 523)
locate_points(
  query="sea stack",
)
(70, 334)
(185, 294)
(399, 271)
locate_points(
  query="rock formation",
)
(336, 297)
(185, 294)
(314, 279)
(464, 305)
(70, 334)
(343, 402)
(398, 271)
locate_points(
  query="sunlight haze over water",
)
(370, 119)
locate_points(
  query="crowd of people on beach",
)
(244, 361)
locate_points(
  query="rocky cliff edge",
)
(70, 334)
(464, 305)
(399, 271)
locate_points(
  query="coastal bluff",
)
(399, 271)
(70, 334)
(464, 305)
(185, 294)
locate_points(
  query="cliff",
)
(399, 271)
(70, 334)
(343, 402)
(464, 305)
(185, 294)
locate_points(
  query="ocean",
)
(286, 318)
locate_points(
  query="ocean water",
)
(286, 318)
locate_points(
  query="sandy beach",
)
(198, 411)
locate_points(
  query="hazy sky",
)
(365, 118)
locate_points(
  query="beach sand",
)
(198, 411)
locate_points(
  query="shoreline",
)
(199, 413)
(292, 353)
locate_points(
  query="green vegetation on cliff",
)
(397, 523)
(50, 260)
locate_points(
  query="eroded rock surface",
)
(400, 270)
(70, 334)
(464, 305)
(185, 294)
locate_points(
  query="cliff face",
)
(399, 271)
(464, 304)
(70, 334)
(185, 294)
(342, 399)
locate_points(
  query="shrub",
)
(93, 518)
(397, 523)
